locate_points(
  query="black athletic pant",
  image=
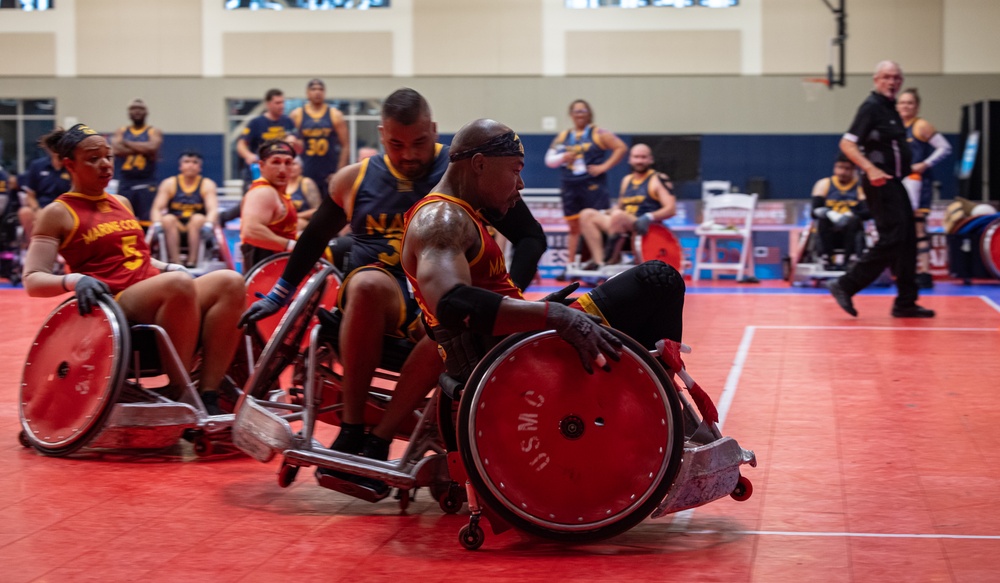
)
(896, 247)
(850, 237)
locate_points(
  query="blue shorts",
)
(141, 195)
(587, 194)
(410, 310)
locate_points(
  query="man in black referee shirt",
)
(876, 143)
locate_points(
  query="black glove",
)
(207, 234)
(262, 308)
(562, 295)
(584, 333)
(642, 223)
(88, 291)
(281, 294)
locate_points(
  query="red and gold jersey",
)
(106, 242)
(488, 268)
(286, 226)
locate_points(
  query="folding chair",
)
(727, 217)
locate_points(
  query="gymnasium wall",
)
(733, 75)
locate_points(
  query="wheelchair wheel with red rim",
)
(73, 376)
(263, 277)
(563, 454)
(285, 344)
(660, 243)
(990, 248)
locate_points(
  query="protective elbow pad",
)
(465, 307)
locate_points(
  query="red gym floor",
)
(878, 442)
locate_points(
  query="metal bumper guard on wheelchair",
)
(263, 425)
(80, 387)
(544, 446)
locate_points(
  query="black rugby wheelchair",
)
(530, 441)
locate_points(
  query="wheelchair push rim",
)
(73, 376)
(265, 274)
(563, 454)
(292, 332)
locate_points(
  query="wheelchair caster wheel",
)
(202, 446)
(22, 438)
(450, 503)
(743, 490)
(471, 536)
(286, 474)
(404, 499)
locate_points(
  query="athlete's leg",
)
(373, 306)
(221, 297)
(167, 300)
(194, 225)
(172, 233)
(593, 223)
(645, 302)
(419, 375)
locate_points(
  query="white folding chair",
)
(727, 217)
(710, 188)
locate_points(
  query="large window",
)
(655, 3)
(22, 122)
(362, 117)
(306, 4)
(28, 5)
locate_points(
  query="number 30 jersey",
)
(106, 242)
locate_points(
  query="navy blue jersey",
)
(261, 128)
(136, 167)
(588, 149)
(879, 132)
(638, 199)
(321, 145)
(842, 197)
(382, 195)
(46, 182)
(298, 194)
(186, 202)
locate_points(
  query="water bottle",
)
(255, 170)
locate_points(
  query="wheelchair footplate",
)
(708, 472)
(259, 432)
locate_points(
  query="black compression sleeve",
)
(528, 238)
(324, 225)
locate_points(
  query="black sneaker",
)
(925, 281)
(592, 266)
(211, 401)
(843, 299)
(361, 487)
(913, 311)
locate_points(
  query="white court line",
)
(683, 518)
(894, 328)
(848, 534)
(990, 303)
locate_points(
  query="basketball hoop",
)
(813, 86)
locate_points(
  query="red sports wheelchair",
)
(530, 441)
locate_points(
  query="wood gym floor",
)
(878, 444)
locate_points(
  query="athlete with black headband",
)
(374, 300)
(268, 219)
(105, 249)
(460, 280)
